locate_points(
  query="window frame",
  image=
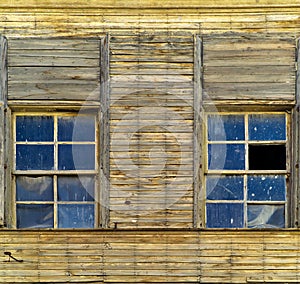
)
(55, 173)
(246, 172)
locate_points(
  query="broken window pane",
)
(267, 127)
(267, 157)
(76, 157)
(34, 188)
(34, 128)
(226, 156)
(34, 216)
(269, 188)
(266, 216)
(76, 188)
(75, 216)
(225, 188)
(226, 127)
(76, 128)
(34, 157)
(225, 215)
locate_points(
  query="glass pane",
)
(266, 188)
(34, 157)
(226, 127)
(226, 156)
(224, 215)
(266, 216)
(34, 188)
(267, 127)
(34, 216)
(76, 188)
(225, 188)
(76, 128)
(76, 216)
(76, 157)
(34, 128)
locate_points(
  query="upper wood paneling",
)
(245, 67)
(144, 3)
(53, 69)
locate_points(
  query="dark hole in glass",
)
(267, 157)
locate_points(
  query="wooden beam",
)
(198, 130)
(104, 132)
(144, 3)
(3, 96)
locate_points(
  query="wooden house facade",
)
(149, 141)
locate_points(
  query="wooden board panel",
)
(54, 69)
(151, 130)
(250, 68)
(150, 256)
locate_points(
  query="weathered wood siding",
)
(53, 69)
(151, 129)
(150, 256)
(249, 68)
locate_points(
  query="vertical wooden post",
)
(104, 132)
(295, 153)
(3, 102)
(199, 212)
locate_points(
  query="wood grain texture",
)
(150, 256)
(3, 100)
(151, 130)
(54, 69)
(249, 67)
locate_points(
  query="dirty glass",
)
(225, 215)
(76, 128)
(226, 156)
(34, 188)
(226, 127)
(34, 128)
(34, 157)
(268, 188)
(76, 157)
(266, 216)
(225, 188)
(75, 215)
(76, 188)
(34, 216)
(267, 127)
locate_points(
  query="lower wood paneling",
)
(149, 256)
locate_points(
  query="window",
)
(246, 171)
(55, 172)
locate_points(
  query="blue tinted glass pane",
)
(226, 127)
(76, 128)
(226, 156)
(33, 188)
(267, 127)
(76, 188)
(76, 216)
(34, 128)
(266, 216)
(225, 188)
(34, 157)
(224, 215)
(76, 157)
(268, 188)
(34, 216)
